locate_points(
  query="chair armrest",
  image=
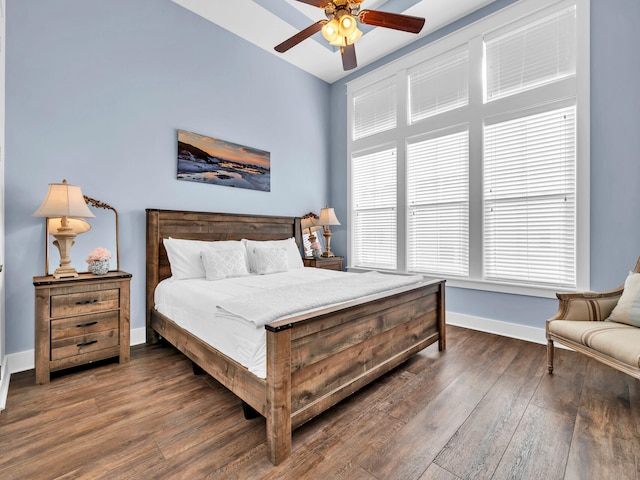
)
(581, 306)
(592, 306)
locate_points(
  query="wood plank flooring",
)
(483, 409)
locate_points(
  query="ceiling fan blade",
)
(349, 61)
(316, 3)
(406, 23)
(300, 36)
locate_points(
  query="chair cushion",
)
(616, 340)
(627, 309)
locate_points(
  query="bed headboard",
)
(206, 226)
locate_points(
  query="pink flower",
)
(316, 246)
(98, 254)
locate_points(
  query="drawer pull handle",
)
(84, 344)
(85, 302)
(88, 324)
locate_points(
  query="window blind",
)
(438, 205)
(530, 199)
(374, 109)
(439, 85)
(373, 183)
(540, 52)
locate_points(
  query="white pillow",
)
(271, 260)
(294, 259)
(627, 310)
(184, 255)
(224, 264)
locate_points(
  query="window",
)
(438, 203)
(374, 209)
(374, 110)
(529, 199)
(540, 52)
(469, 158)
(439, 85)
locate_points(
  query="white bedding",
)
(242, 340)
(267, 306)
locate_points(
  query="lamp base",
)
(65, 272)
(327, 242)
(64, 238)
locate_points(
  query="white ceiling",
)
(266, 23)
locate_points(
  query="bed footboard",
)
(314, 362)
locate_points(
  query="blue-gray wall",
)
(615, 161)
(95, 93)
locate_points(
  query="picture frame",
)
(213, 161)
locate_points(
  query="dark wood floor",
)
(485, 408)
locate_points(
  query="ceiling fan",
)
(341, 29)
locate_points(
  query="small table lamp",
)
(310, 223)
(63, 201)
(327, 217)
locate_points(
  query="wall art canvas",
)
(211, 160)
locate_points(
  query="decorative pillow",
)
(294, 259)
(270, 260)
(184, 255)
(224, 264)
(627, 309)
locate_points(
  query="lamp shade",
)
(308, 221)
(64, 200)
(328, 217)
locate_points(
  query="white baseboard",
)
(138, 336)
(506, 329)
(5, 376)
(21, 361)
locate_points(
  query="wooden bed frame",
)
(313, 361)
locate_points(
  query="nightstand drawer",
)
(84, 302)
(83, 325)
(72, 346)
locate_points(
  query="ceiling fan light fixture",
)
(341, 26)
(347, 25)
(330, 30)
(354, 37)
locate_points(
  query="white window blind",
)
(538, 53)
(438, 202)
(439, 85)
(374, 109)
(530, 199)
(373, 184)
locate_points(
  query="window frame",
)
(475, 113)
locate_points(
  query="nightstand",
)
(328, 263)
(80, 320)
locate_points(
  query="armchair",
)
(580, 324)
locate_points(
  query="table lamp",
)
(310, 223)
(327, 217)
(65, 202)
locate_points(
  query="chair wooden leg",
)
(550, 356)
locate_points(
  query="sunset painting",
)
(211, 160)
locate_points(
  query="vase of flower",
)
(316, 249)
(98, 261)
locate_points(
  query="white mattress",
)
(182, 301)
